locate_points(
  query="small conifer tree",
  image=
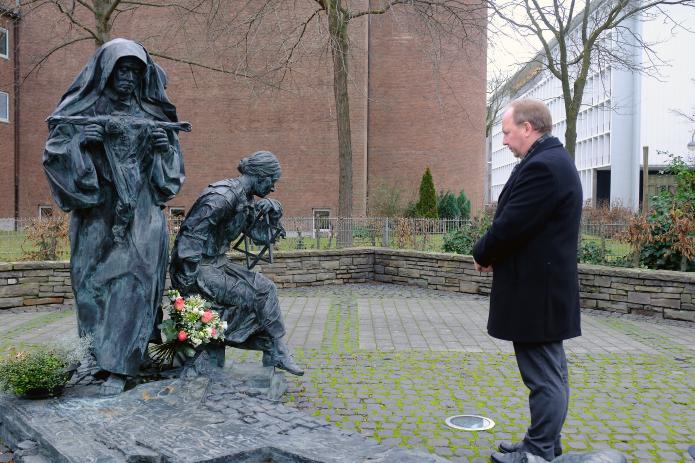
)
(447, 206)
(427, 202)
(464, 205)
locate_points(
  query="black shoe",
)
(516, 457)
(509, 447)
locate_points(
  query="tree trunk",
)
(337, 26)
(571, 131)
(103, 24)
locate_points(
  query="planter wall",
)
(657, 293)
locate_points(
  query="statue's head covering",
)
(260, 164)
(91, 81)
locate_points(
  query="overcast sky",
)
(507, 51)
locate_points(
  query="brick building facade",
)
(7, 105)
(406, 115)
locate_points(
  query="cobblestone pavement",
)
(392, 362)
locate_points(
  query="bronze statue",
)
(113, 159)
(247, 300)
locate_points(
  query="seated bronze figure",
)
(247, 300)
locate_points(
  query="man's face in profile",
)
(515, 137)
(126, 76)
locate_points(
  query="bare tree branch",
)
(50, 52)
(578, 47)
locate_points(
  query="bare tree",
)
(453, 18)
(262, 40)
(94, 20)
(575, 41)
(497, 96)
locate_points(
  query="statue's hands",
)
(271, 207)
(160, 141)
(94, 133)
(264, 206)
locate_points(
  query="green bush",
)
(591, 252)
(43, 367)
(427, 202)
(361, 231)
(672, 205)
(410, 210)
(447, 206)
(462, 240)
(659, 254)
(464, 205)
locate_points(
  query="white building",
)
(622, 111)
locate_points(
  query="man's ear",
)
(528, 128)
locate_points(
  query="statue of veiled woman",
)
(114, 173)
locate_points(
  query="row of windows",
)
(593, 152)
(594, 121)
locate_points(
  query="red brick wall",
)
(232, 119)
(423, 114)
(7, 128)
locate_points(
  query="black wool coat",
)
(532, 246)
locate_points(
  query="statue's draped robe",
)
(247, 299)
(118, 283)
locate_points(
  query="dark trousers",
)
(543, 368)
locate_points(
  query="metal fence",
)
(44, 239)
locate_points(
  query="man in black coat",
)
(532, 247)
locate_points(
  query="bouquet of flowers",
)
(191, 323)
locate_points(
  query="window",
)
(3, 43)
(45, 212)
(321, 219)
(177, 212)
(4, 107)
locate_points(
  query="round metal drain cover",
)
(470, 422)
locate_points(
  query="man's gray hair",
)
(260, 164)
(533, 111)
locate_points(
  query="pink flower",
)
(214, 332)
(182, 336)
(179, 303)
(206, 317)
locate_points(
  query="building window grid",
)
(4, 43)
(4, 107)
(593, 142)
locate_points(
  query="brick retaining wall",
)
(657, 293)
